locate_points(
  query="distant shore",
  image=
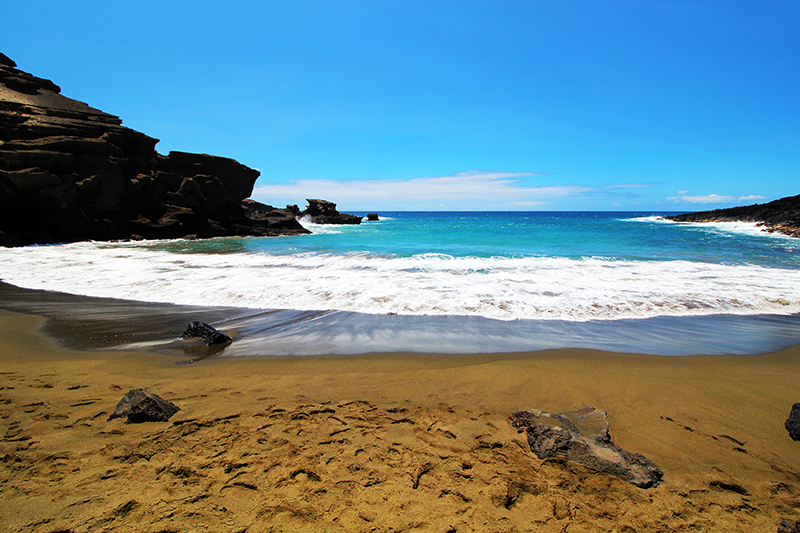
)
(780, 216)
(386, 441)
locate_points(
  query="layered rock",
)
(782, 216)
(69, 172)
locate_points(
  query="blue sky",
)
(463, 105)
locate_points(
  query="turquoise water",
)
(470, 281)
(636, 236)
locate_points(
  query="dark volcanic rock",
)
(324, 212)
(789, 526)
(793, 422)
(69, 172)
(138, 405)
(372, 216)
(207, 333)
(782, 216)
(582, 436)
(278, 221)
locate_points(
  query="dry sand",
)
(387, 443)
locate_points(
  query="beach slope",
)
(386, 442)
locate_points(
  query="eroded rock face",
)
(582, 436)
(69, 172)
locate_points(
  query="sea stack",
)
(325, 212)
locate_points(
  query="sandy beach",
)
(387, 442)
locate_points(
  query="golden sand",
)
(387, 442)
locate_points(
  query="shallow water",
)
(105, 323)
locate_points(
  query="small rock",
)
(793, 422)
(202, 330)
(372, 216)
(138, 405)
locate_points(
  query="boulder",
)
(793, 422)
(207, 333)
(138, 405)
(372, 216)
(582, 436)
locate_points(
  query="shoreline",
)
(86, 322)
(386, 441)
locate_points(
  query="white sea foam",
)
(732, 228)
(319, 229)
(327, 229)
(428, 284)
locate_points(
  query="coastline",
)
(779, 216)
(387, 441)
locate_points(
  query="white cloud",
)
(714, 199)
(707, 199)
(477, 189)
(752, 197)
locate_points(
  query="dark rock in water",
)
(793, 422)
(789, 526)
(582, 436)
(207, 333)
(138, 405)
(372, 216)
(69, 172)
(324, 212)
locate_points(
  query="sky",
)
(659, 105)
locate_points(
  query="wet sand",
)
(387, 442)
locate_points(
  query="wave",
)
(334, 229)
(505, 288)
(729, 228)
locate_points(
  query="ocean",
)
(458, 282)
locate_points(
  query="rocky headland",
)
(69, 172)
(780, 216)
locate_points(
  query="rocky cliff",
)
(69, 172)
(782, 216)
